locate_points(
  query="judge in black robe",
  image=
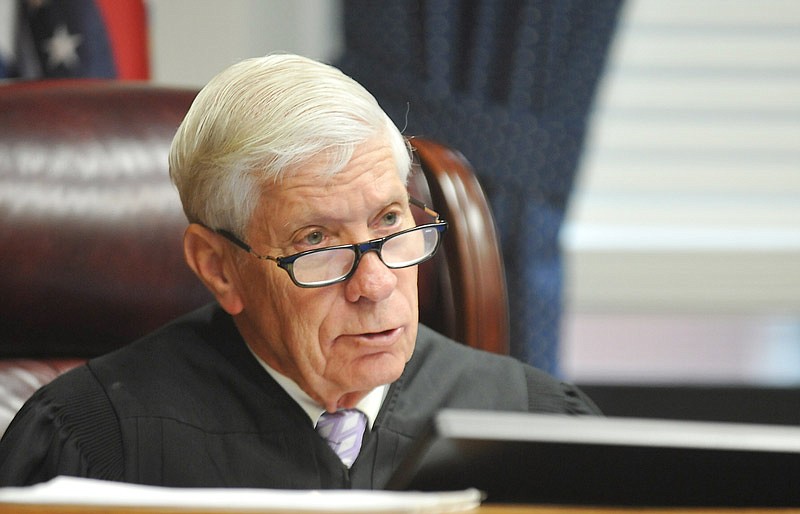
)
(319, 315)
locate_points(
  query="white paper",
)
(83, 491)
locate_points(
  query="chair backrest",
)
(462, 294)
(91, 227)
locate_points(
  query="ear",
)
(206, 254)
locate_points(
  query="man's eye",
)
(314, 238)
(390, 219)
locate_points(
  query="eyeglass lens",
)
(398, 251)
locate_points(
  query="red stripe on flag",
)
(126, 25)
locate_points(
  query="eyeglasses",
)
(333, 264)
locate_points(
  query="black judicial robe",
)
(189, 406)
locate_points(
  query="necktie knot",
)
(343, 430)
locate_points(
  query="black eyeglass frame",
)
(376, 245)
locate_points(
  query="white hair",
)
(263, 118)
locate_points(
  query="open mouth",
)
(383, 338)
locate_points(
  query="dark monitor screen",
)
(581, 460)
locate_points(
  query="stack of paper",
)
(88, 492)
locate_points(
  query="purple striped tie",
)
(343, 430)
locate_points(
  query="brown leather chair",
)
(91, 227)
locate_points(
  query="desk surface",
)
(484, 509)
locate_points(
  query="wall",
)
(194, 39)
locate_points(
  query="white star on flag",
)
(62, 48)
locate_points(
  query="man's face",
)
(339, 341)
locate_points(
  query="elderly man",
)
(293, 181)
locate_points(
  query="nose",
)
(372, 279)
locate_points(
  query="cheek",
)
(407, 294)
(410, 292)
(410, 289)
(286, 318)
(304, 321)
(301, 316)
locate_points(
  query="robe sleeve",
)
(68, 427)
(548, 395)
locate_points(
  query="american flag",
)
(74, 38)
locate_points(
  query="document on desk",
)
(90, 492)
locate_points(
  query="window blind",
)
(688, 196)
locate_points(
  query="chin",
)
(378, 369)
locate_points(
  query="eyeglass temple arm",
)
(230, 236)
(428, 210)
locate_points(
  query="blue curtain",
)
(510, 84)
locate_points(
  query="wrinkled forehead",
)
(368, 184)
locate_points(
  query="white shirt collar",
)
(369, 405)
